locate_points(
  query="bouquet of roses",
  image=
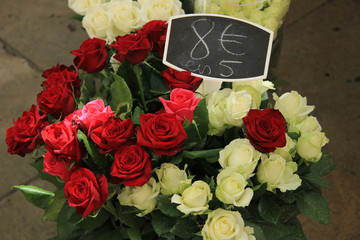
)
(135, 152)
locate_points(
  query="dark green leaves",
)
(324, 166)
(96, 157)
(314, 206)
(121, 98)
(37, 196)
(166, 207)
(211, 155)
(269, 209)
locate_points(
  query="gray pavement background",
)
(320, 59)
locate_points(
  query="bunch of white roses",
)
(107, 19)
(268, 13)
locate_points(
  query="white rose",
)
(81, 6)
(172, 180)
(240, 154)
(216, 103)
(160, 9)
(195, 199)
(288, 151)
(277, 173)
(237, 106)
(292, 105)
(255, 88)
(125, 16)
(310, 124)
(231, 188)
(143, 198)
(229, 225)
(97, 23)
(309, 145)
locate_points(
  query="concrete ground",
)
(320, 59)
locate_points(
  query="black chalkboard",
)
(218, 47)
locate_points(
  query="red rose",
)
(180, 79)
(93, 114)
(161, 44)
(57, 68)
(65, 77)
(24, 136)
(132, 165)
(133, 47)
(91, 56)
(61, 140)
(265, 129)
(162, 133)
(58, 168)
(58, 101)
(154, 30)
(112, 134)
(86, 191)
(182, 103)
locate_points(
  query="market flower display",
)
(136, 151)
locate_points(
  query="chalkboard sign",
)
(218, 47)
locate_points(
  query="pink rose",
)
(182, 103)
(94, 113)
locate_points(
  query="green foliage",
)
(197, 131)
(313, 205)
(185, 228)
(121, 99)
(269, 209)
(53, 210)
(39, 197)
(166, 207)
(324, 166)
(162, 223)
(96, 157)
(211, 155)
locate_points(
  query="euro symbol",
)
(232, 37)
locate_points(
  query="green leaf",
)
(269, 209)
(185, 228)
(259, 190)
(65, 228)
(98, 158)
(293, 135)
(52, 212)
(91, 223)
(324, 166)
(162, 223)
(211, 155)
(39, 197)
(121, 98)
(258, 232)
(88, 87)
(197, 131)
(134, 234)
(77, 17)
(166, 207)
(314, 206)
(39, 166)
(127, 216)
(136, 115)
(281, 231)
(316, 179)
(157, 83)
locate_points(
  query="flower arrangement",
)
(135, 152)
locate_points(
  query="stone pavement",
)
(320, 60)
